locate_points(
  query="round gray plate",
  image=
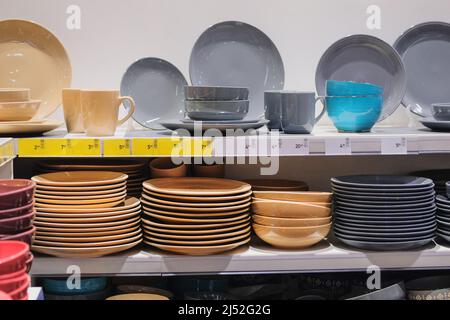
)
(381, 208)
(383, 202)
(386, 246)
(382, 238)
(384, 191)
(370, 197)
(364, 58)
(387, 227)
(387, 216)
(157, 88)
(385, 233)
(174, 125)
(389, 182)
(237, 54)
(436, 125)
(425, 50)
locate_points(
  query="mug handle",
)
(322, 99)
(130, 111)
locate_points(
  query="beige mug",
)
(72, 110)
(101, 111)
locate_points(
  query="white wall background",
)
(114, 33)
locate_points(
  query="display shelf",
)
(256, 258)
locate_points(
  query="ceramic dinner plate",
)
(29, 128)
(224, 237)
(389, 182)
(28, 52)
(387, 246)
(383, 196)
(384, 202)
(157, 88)
(383, 191)
(195, 226)
(214, 232)
(387, 227)
(129, 203)
(364, 58)
(45, 206)
(51, 239)
(153, 205)
(87, 219)
(425, 49)
(409, 216)
(196, 204)
(79, 178)
(198, 199)
(214, 242)
(204, 215)
(237, 54)
(202, 126)
(436, 125)
(55, 195)
(100, 189)
(87, 244)
(93, 164)
(383, 208)
(81, 225)
(87, 214)
(384, 235)
(86, 235)
(198, 250)
(81, 229)
(79, 201)
(348, 236)
(171, 219)
(191, 186)
(83, 252)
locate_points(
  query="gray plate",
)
(383, 191)
(425, 50)
(386, 235)
(382, 208)
(443, 200)
(386, 246)
(174, 125)
(444, 220)
(423, 215)
(382, 238)
(224, 121)
(390, 182)
(435, 125)
(386, 227)
(384, 202)
(215, 116)
(157, 88)
(443, 236)
(364, 58)
(237, 54)
(370, 197)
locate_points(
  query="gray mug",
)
(272, 107)
(298, 112)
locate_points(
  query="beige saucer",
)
(286, 209)
(138, 296)
(195, 221)
(196, 243)
(80, 196)
(195, 215)
(69, 204)
(88, 239)
(88, 220)
(208, 199)
(79, 178)
(32, 127)
(290, 222)
(18, 111)
(227, 236)
(87, 214)
(195, 209)
(83, 252)
(163, 229)
(323, 197)
(87, 244)
(79, 229)
(43, 235)
(121, 205)
(197, 204)
(81, 225)
(198, 250)
(198, 226)
(105, 188)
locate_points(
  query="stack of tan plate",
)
(196, 216)
(291, 220)
(137, 171)
(85, 214)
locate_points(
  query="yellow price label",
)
(117, 147)
(196, 147)
(156, 147)
(59, 147)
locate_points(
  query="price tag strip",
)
(117, 147)
(167, 147)
(338, 146)
(35, 147)
(294, 147)
(394, 145)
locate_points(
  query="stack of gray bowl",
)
(207, 103)
(384, 213)
(443, 216)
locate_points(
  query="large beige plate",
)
(288, 209)
(196, 243)
(194, 209)
(82, 225)
(44, 214)
(86, 235)
(88, 239)
(80, 204)
(201, 232)
(93, 164)
(105, 188)
(208, 237)
(203, 226)
(87, 244)
(127, 204)
(193, 220)
(324, 197)
(198, 250)
(191, 186)
(25, 128)
(79, 178)
(131, 174)
(80, 196)
(32, 57)
(77, 229)
(87, 219)
(83, 252)
(193, 199)
(195, 215)
(197, 204)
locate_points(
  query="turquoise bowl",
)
(354, 114)
(349, 88)
(87, 285)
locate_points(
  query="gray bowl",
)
(217, 110)
(211, 93)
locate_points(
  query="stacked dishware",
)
(443, 215)
(137, 171)
(277, 185)
(439, 177)
(14, 278)
(291, 220)
(196, 216)
(382, 212)
(85, 214)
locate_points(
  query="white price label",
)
(394, 145)
(338, 146)
(219, 147)
(294, 147)
(251, 146)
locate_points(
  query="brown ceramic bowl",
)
(277, 185)
(290, 222)
(289, 209)
(16, 212)
(295, 196)
(16, 193)
(15, 225)
(24, 236)
(211, 171)
(165, 168)
(292, 238)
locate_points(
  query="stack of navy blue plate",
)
(443, 217)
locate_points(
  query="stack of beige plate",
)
(85, 214)
(137, 171)
(196, 216)
(291, 220)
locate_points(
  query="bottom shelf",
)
(328, 256)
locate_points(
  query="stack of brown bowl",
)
(85, 214)
(277, 185)
(196, 216)
(137, 171)
(291, 220)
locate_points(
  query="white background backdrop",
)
(114, 33)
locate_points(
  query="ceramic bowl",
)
(289, 209)
(138, 296)
(350, 88)
(165, 168)
(354, 114)
(16, 212)
(25, 236)
(207, 93)
(13, 256)
(217, 110)
(19, 111)
(87, 285)
(292, 237)
(290, 222)
(14, 94)
(430, 288)
(441, 111)
(16, 193)
(29, 262)
(123, 289)
(12, 286)
(277, 185)
(4, 296)
(21, 293)
(16, 224)
(211, 171)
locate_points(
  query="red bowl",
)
(25, 236)
(16, 212)
(13, 275)
(12, 285)
(4, 296)
(13, 256)
(21, 292)
(16, 193)
(29, 262)
(16, 225)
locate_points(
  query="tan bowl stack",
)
(291, 220)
